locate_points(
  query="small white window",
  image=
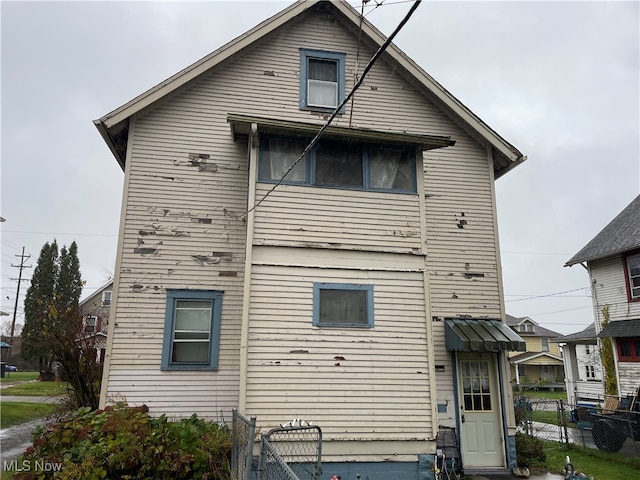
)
(633, 274)
(106, 298)
(90, 323)
(322, 83)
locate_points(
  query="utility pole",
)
(21, 267)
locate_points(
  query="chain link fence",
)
(243, 433)
(289, 452)
(607, 426)
(299, 446)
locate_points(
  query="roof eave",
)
(576, 260)
(107, 122)
(204, 64)
(514, 156)
(104, 133)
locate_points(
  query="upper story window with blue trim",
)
(342, 305)
(322, 79)
(192, 330)
(339, 164)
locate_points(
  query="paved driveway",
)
(16, 439)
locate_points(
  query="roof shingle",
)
(620, 235)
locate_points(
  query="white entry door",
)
(482, 443)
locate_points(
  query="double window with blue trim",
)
(338, 163)
(192, 330)
(342, 305)
(322, 79)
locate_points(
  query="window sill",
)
(193, 368)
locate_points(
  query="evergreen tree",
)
(69, 283)
(53, 328)
(38, 300)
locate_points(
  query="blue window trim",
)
(305, 55)
(214, 346)
(318, 287)
(310, 167)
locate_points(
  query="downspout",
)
(504, 366)
(248, 260)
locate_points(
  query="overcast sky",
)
(560, 81)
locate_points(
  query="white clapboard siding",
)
(356, 383)
(609, 288)
(461, 245)
(211, 397)
(303, 216)
(180, 216)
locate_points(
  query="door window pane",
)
(476, 388)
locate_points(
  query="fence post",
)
(564, 422)
(249, 457)
(263, 454)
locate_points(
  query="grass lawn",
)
(550, 417)
(598, 464)
(15, 413)
(541, 394)
(11, 377)
(38, 389)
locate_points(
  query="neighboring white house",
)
(612, 258)
(582, 366)
(359, 288)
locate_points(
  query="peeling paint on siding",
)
(145, 250)
(472, 275)
(228, 274)
(164, 230)
(405, 233)
(199, 160)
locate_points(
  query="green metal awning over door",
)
(471, 335)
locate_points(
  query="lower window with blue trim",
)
(342, 305)
(192, 330)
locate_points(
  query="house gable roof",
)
(113, 127)
(527, 356)
(587, 334)
(97, 293)
(514, 322)
(620, 235)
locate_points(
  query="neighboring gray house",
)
(96, 309)
(582, 366)
(612, 258)
(360, 291)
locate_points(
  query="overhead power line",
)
(548, 295)
(375, 57)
